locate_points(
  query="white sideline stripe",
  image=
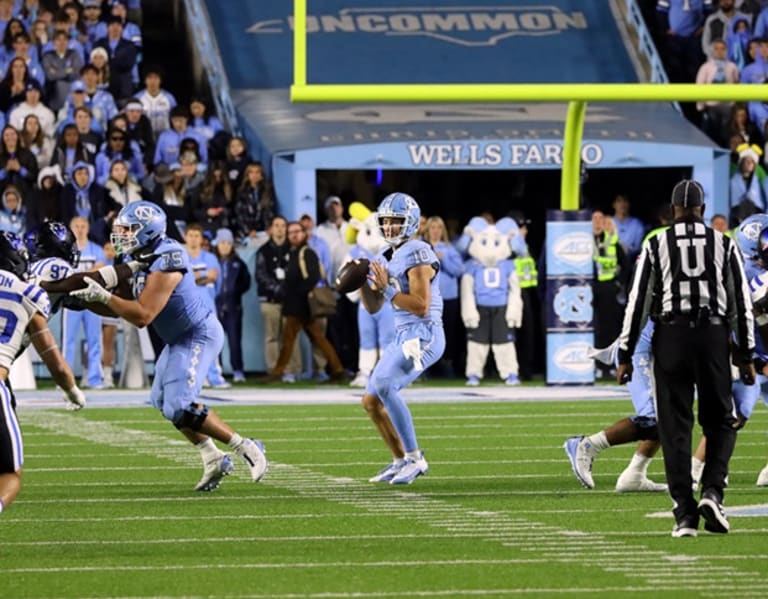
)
(426, 510)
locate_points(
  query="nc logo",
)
(574, 248)
(573, 303)
(573, 358)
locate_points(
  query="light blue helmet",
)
(400, 206)
(748, 233)
(137, 226)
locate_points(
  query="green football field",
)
(108, 510)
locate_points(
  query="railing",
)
(645, 43)
(207, 49)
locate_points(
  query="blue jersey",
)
(90, 255)
(491, 283)
(188, 306)
(409, 255)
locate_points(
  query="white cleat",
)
(410, 471)
(387, 473)
(254, 455)
(578, 451)
(214, 471)
(634, 482)
(762, 478)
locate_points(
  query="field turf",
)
(107, 510)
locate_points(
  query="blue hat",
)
(34, 84)
(224, 235)
(77, 86)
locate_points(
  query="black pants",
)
(687, 358)
(231, 318)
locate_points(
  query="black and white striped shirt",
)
(683, 270)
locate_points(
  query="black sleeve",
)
(243, 282)
(267, 285)
(311, 277)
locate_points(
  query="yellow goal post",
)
(576, 94)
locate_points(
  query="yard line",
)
(425, 508)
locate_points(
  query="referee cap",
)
(688, 194)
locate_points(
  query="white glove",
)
(94, 293)
(75, 398)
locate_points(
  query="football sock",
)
(639, 463)
(415, 454)
(599, 442)
(2, 506)
(208, 451)
(235, 441)
(398, 461)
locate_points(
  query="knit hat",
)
(746, 151)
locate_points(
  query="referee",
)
(690, 281)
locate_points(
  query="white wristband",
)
(109, 274)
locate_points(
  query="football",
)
(352, 275)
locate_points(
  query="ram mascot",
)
(376, 330)
(491, 301)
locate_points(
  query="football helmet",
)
(13, 254)
(399, 206)
(748, 233)
(138, 226)
(52, 239)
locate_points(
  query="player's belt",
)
(690, 320)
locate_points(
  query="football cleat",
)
(578, 451)
(254, 455)
(360, 381)
(762, 478)
(387, 473)
(410, 471)
(631, 481)
(214, 471)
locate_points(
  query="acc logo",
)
(574, 248)
(573, 303)
(573, 358)
(463, 25)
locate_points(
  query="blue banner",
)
(569, 315)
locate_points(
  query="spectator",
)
(192, 146)
(169, 192)
(117, 147)
(742, 47)
(91, 19)
(70, 150)
(13, 87)
(140, 130)
(61, 66)
(120, 185)
(6, 14)
(255, 204)
(109, 326)
(38, 35)
(451, 270)
(630, 229)
(131, 33)
(100, 101)
(718, 69)
(718, 24)
(235, 281)
(24, 49)
(77, 28)
(748, 192)
(342, 326)
(45, 203)
(211, 207)
(205, 268)
(91, 258)
(122, 59)
(237, 160)
(83, 197)
(61, 22)
(100, 61)
(203, 123)
(740, 124)
(317, 244)
(17, 164)
(757, 71)
(34, 139)
(169, 143)
(719, 222)
(12, 29)
(271, 262)
(193, 176)
(682, 22)
(157, 102)
(33, 105)
(13, 213)
(302, 273)
(90, 137)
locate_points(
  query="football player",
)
(167, 298)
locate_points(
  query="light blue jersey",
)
(419, 341)
(188, 305)
(200, 266)
(491, 284)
